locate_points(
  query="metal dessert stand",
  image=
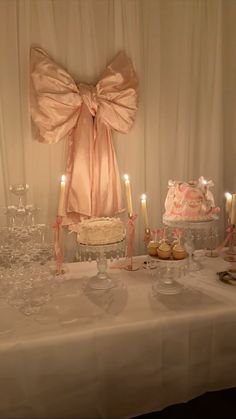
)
(101, 253)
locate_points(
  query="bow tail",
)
(79, 169)
(93, 180)
(106, 187)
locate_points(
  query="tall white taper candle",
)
(128, 194)
(228, 204)
(233, 210)
(61, 210)
(144, 210)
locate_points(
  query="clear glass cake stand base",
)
(165, 287)
(167, 272)
(101, 253)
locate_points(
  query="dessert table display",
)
(88, 340)
(119, 352)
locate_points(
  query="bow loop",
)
(89, 96)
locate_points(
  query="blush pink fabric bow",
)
(85, 115)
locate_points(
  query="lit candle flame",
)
(128, 194)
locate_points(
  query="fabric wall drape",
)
(176, 48)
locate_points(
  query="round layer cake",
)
(190, 201)
(99, 231)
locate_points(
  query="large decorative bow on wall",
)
(85, 115)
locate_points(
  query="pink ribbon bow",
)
(85, 115)
(147, 237)
(162, 233)
(58, 249)
(131, 234)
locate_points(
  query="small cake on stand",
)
(190, 206)
(101, 239)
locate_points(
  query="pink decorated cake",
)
(190, 201)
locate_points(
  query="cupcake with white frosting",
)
(152, 248)
(179, 252)
(164, 250)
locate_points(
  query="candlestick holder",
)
(130, 246)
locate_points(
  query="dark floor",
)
(212, 405)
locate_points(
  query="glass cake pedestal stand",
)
(195, 232)
(166, 283)
(101, 281)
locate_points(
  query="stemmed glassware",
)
(25, 250)
(189, 247)
(19, 190)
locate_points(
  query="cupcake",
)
(164, 251)
(179, 252)
(152, 248)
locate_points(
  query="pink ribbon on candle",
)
(147, 237)
(230, 230)
(59, 255)
(162, 233)
(176, 233)
(131, 234)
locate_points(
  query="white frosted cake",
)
(105, 230)
(190, 201)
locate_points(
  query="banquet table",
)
(118, 353)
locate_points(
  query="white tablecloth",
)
(119, 353)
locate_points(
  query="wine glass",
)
(189, 247)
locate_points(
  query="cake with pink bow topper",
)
(190, 201)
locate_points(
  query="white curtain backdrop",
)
(176, 48)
